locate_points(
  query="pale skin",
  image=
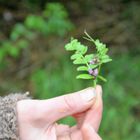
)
(37, 118)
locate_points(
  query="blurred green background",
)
(32, 56)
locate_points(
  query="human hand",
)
(37, 118)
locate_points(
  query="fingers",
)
(94, 115)
(63, 132)
(62, 129)
(59, 107)
(89, 133)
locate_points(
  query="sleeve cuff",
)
(8, 116)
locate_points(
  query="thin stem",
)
(94, 83)
(99, 69)
(89, 37)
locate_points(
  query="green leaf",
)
(82, 68)
(101, 48)
(75, 45)
(72, 45)
(82, 49)
(89, 57)
(35, 22)
(93, 66)
(98, 43)
(106, 60)
(102, 78)
(84, 76)
(103, 51)
(79, 61)
(103, 57)
(69, 47)
(75, 56)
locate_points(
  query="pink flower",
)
(90, 71)
(93, 72)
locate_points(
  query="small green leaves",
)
(82, 49)
(75, 56)
(79, 61)
(75, 45)
(89, 57)
(82, 68)
(84, 76)
(72, 45)
(105, 59)
(90, 64)
(93, 66)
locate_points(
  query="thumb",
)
(59, 107)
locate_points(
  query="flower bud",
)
(96, 60)
(91, 62)
(90, 71)
(95, 72)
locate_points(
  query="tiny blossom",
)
(95, 72)
(96, 60)
(90, 71)
(91, 62)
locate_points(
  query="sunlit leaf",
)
(79, 61)
(89, 57)
(75, 56)
(84, 76)
(82, 68)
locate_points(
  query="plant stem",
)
(94, 83)
(89, 37)
(99, 68)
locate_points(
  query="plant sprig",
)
(90, 64)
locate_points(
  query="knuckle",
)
(70, 102)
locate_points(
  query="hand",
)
(37, 118)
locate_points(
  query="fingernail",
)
(99, 90)
(89, 94)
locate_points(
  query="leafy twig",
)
(90, 64)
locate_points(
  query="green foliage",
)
(11, 49)
(53, 20)
(91, 63)
(84, 76)
(35, 22)
(57, 19)
(20, 31)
